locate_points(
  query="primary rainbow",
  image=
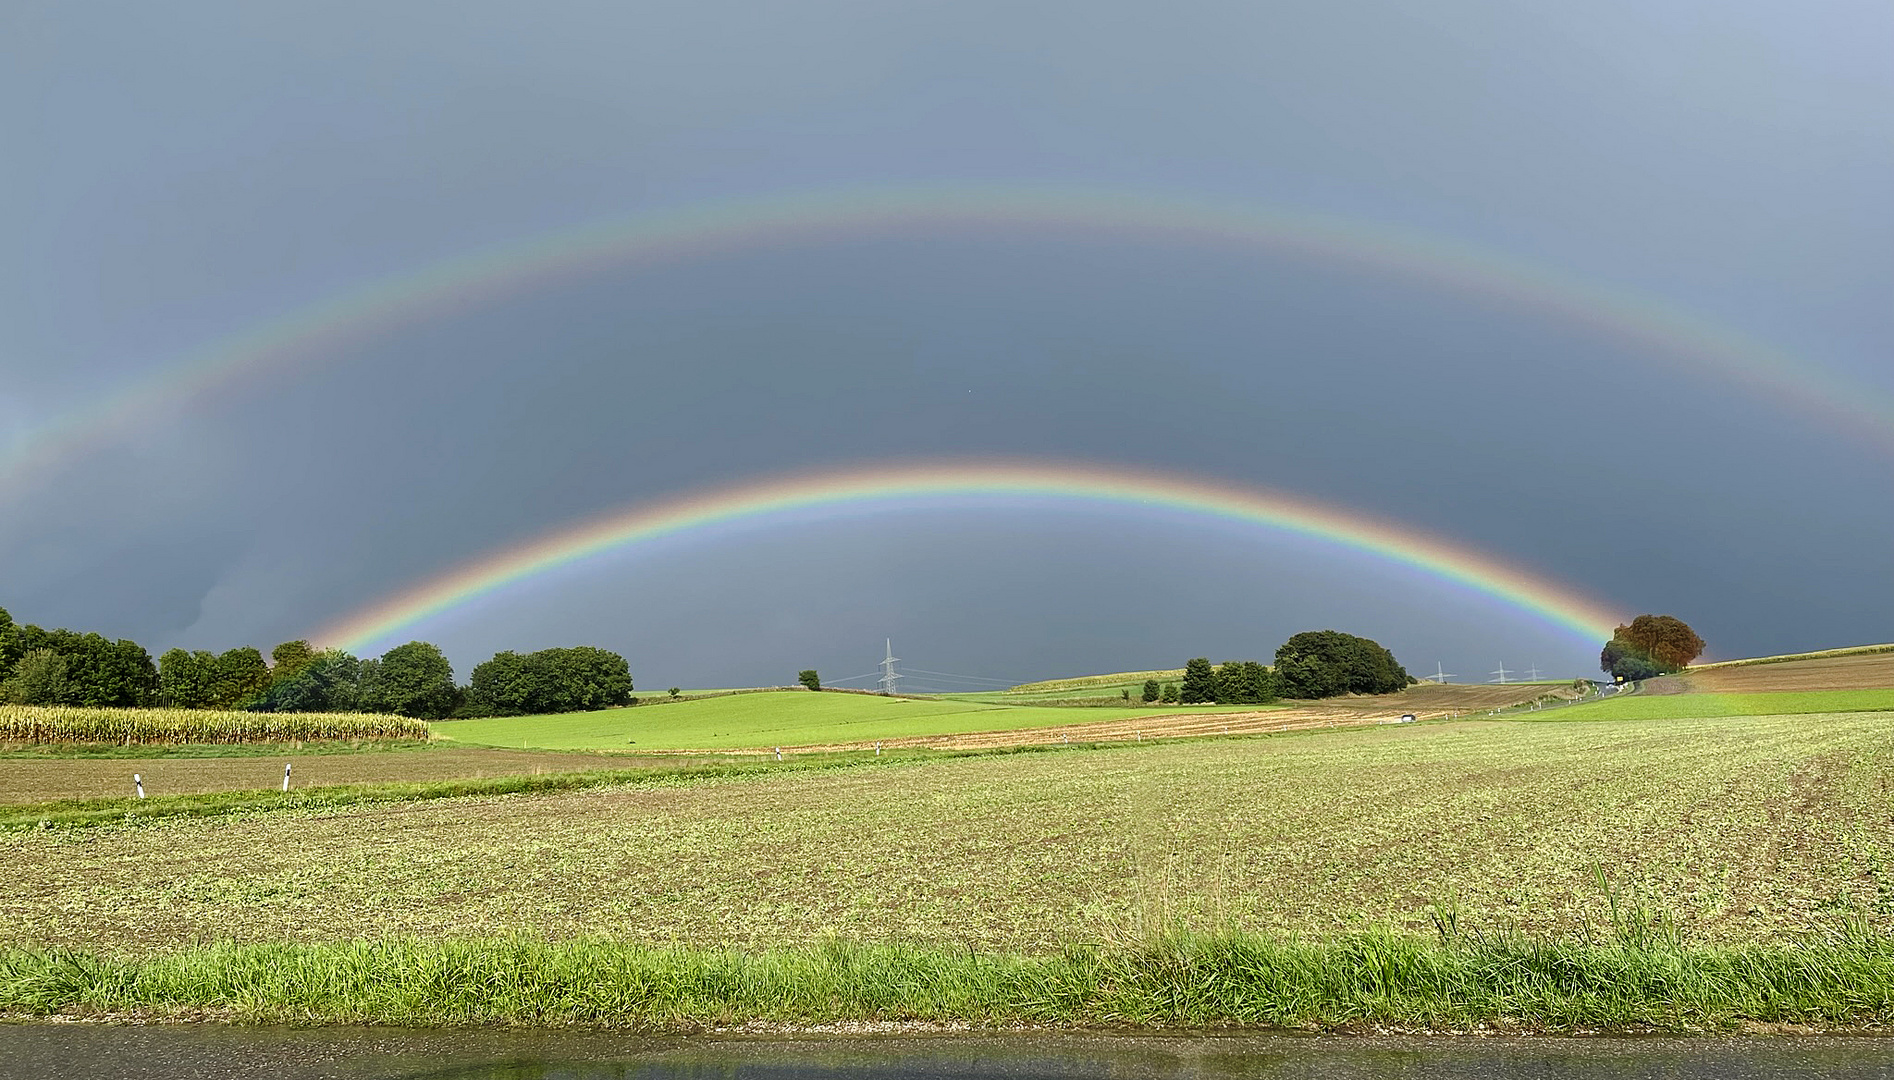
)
(955, 483)
(320, 330)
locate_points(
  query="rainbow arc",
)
(961, 483)
(324, 329)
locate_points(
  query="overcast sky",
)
(175, 174)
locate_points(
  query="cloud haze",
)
(177, 176)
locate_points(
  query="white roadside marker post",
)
(779, 753)
(286, 775)
(877, 749)
(139, 783)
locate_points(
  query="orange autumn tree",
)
(1650, 645)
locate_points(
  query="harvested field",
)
(1744, 829)
(1426, 701)
(1862, 671)
(28, 780)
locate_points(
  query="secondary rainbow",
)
(320, 330)
(937, 483)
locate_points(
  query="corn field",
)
(67, 724)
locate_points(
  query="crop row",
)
(65, 724)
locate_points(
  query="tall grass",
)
(40, 724)
(1366, 980)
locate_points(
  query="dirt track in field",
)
(26, 780)
(1872, 671)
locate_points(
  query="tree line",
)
(1312, 664)
(66, 667)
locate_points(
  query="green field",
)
(788, 718)
(1687, 706)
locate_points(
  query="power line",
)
(888, 675)
(969, 678)
(854, 678)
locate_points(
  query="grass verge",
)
(119, 811)
(198, 751)
(1370, 980)
(131, 810)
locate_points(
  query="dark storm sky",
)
(176, 174)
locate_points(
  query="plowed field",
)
(1871, 671)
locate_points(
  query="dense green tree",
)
(1323, 663)
(416, 680)
(548, 681)
(1151, 691)
(501, 686)
(368, 686)
(1245, 682)
(330, 681)
(239, 678)
(41, 677)
(589, 677)
(187, 680)
(1632, 668)
(289, 658)
(1169, 696)
(809, 678)
(1650, 645)
(9, 654)
(1200, 682)
(98, 672)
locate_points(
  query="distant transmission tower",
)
(888, 676)
(1532, 673)
(1502, 673)
(1440, 674)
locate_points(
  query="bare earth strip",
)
(1871, 671)
(26, 780)
(1747, 828)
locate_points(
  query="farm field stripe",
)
(318, 331)
(984, 483)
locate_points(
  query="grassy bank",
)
(1365, 980)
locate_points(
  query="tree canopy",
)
(808, 678)
(1200, 682)
(88, 669)
(549, 681)
(1245, 682)
(1650, 645)
(1324, 663)
(415, 680)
